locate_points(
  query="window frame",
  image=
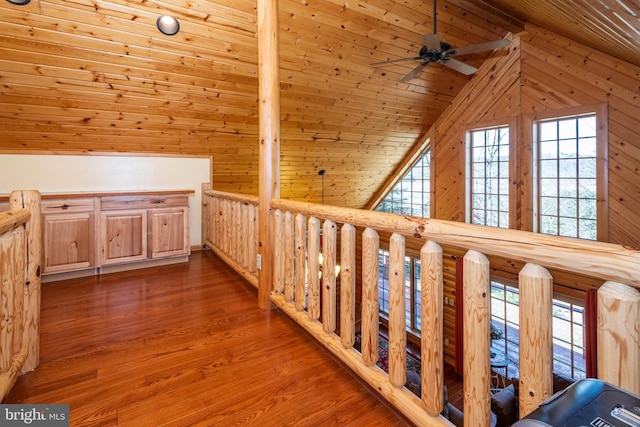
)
(529, 165)
(412, 283)
(409, 162)
(512, 125)
(408, 209)
(558, 298)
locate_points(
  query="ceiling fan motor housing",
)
(434, 55)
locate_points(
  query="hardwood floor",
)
(186, 345)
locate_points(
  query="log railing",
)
(20, 261)
(230, 229)
(306, 290)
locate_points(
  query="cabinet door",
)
(169, 232)
(123, 236)
(68, 242)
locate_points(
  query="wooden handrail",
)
(13, 219)
(562, 253)
(298, 293)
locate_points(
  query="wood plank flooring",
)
(186, 345)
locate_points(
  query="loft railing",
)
(307, 291)
(230, 229)
(20, 260)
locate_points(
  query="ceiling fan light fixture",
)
(19, 2)
(168, 25)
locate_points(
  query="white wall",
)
(70, 174)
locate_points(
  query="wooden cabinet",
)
(124, 236)
(168, 232)
(92, 233)
(68, 242)
(68, 234)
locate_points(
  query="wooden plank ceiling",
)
(97, 76)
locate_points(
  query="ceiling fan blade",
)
(391, 61)
(432, 42)
(415, 72)
(495, 44)
(460, 67)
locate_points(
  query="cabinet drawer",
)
(87, 204)
(144, 202)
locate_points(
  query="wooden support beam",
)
(269, 138)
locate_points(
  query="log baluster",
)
(278, 256)
(289, 250)
(347, 285)
(300, 261)
(370, 302)
(314, 268)
(431, 280)
(536, 345)
(397, 312)
(329, 232)
(243, 244)
(619, 336)
(476, 382)
(252, 233)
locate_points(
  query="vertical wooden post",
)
(301, 262)
(477, 383)
(397, 312)
(253, 239)
(370, 302)
(536, 345)
(619, 336)
(314, 268)
(217, 226)
(329, 237)
(237, 232)
(431, 280)
(269, 139)
(278, 256)
(243, 244)
(206, 213)
(31, 317)
(289, 249)
(347, 285)
(226, 226)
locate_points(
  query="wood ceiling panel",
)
(611, 26)
(96, 75)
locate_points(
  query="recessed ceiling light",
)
(168, 25)
(19, 2)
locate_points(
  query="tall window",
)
(568, 331)
(412, 288)
(412, 195)
(567, 176)
(488, 176)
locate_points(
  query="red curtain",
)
(459, 368)
(591, 333)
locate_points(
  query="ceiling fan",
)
(435, 50)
